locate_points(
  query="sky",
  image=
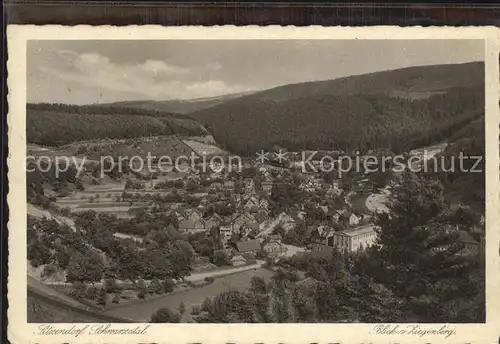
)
(103, 71)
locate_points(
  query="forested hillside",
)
(417, 82)
(401, 110)
(58, 124)
(359, 121)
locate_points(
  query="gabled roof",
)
(238, 257)
(247, 246)
(260, 217)
(190, 211)
(253, 233)
(346, 215)
(216, 217)
(358, 230)
(245, 214)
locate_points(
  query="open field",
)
(100, 205)
(106, 205)
(142, 311)
(111, 210)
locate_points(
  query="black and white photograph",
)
(276, 181)
(176, 180)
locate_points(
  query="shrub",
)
(35, 262)
(116, 298)
(196, 310)
(49, 270)
(112, 286)
(168, 285)
(206, 305)
(92, 293)
(141, 294)
(165, 315)
(78, 290)
(155, 287)
(102, 298)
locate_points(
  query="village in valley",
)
(247, 220)
(202, 182)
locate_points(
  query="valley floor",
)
(142, 310)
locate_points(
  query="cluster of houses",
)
(250, 228)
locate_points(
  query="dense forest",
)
(360, 121)
(59, 124)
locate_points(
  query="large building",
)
(354, 239)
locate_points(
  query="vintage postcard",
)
(253, 184)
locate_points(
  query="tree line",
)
(59, 124)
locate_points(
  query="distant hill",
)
(178, 106)
(424, 80)
(59, 124)
(399, 109)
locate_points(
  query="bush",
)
(49, 270)
(112, 286)
(92, 293)
(116, 298)
(155, 287)
(165, 315)
(206, 305)
(35, 262)
(182, 308)
(78, 291)
(141, 294)
(196, 310)
(168, 285)
(102, 298)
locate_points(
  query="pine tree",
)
(419, 250)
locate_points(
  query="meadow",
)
(142, 311)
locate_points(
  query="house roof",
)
(275, 237)
(253, 233)
(247, 215)
(346, 215)
(250, 245)
(186, 223)
(358, 230)
(215, 217)
(260, 217)
(238, 257)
